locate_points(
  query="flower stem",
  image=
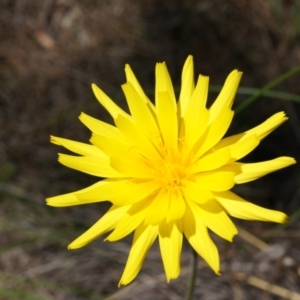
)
(190, 291)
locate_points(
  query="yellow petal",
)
(261, 131)
(113, 109)
(234, 167)
(240, 208)
(170, 242)
(196, 115)
(229, 141)
(268, 126)
(216, 131)
(105, 224)
(158, 208)
(238, 145)
(111, 146)
(144, 237)
(100, 191)
(214, 217)
(167, 120)
(197, 99)
(176, 206)
(141, 114)
(187, 84)
(131, 220)
(243, 147)
(119, 192)
(99, 127)
(136, 168)
(133, 80)
(196, 192)
(92, 165)
(197, 235)
(77, 147)
(187, 131)
(163, 82)
(130, 77)
(226, 96)
(135, 137)
(68, 199)
(211, 161)
(216, 180)
(254, 171)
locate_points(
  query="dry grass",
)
(50, 52)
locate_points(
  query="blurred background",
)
(50, 53)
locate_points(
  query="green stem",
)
(191, 287)
(267, 87)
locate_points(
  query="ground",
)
(50, 53)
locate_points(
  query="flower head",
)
(168, 169)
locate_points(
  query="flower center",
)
(172, 171)
(172, 174)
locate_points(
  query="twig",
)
(266, 286)
(251, 239)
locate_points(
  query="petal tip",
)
(285, 219)
(70, 247)
(53, 140)
(48, 202)
(190, 58)
(237, 72)
(81, 115)
(122, 283)
(74, 246)
(94, 88)
(232, 237)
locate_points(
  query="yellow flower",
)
(168, 171)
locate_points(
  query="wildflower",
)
(168, 169)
